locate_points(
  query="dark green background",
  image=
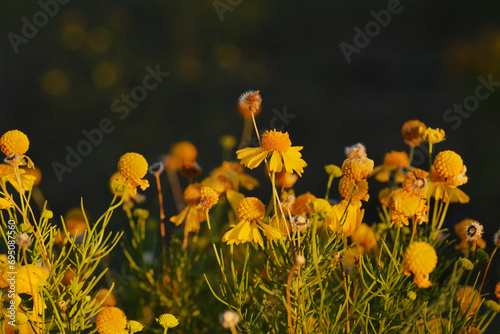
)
(424, 61)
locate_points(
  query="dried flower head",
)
(287, 202)
(357, 168)
(229, 319)
(111, 320)
(496, 238)
(23, 240)
(300, 223)
(250, 103)
(355, 151)
(190, 170)
(167, 321)
(474, 231)
(411, 132)
(416, 181)
(355, 190)
(209, 198)
(300, 260)
(420, 258)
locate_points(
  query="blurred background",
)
(63, 72)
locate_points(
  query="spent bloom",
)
(250, 103)
(277, 146)
(229, 319)
(167, 321)
(474, 231)
(420, 258)
(357, 168)
(133, 167)
(355, 151)
(300, 223)
(250, 212)
(411, 132)
(111, 320)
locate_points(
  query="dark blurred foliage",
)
(429, 56)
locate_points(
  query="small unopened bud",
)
(333, 170)
(492, 305)
(62, 305)
(300, 260)
(411, 295)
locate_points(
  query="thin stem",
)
(162, 220)
(346, 296)
(212, 238)
(329, 184)
(487, 268)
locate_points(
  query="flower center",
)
(250, 209)
(276, 141)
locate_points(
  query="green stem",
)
(330, 180)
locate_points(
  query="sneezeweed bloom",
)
(365, 237)
(133, 167)
(474, 231)
(285, 179)
(357, 168)
(14, 144)
(192, 214)
(468, 299)
(8, 174)
(404, 204)
(355, 151)
(244, 180)
(277, 146)
(461, 232)
(432, 136)
(250, 103)
(450, 166)
(181, 153)
(415, 182)
(209, 198)
(250, 212)
(167, 321)
(111, 320)
(394, 162)
(117, 186)
(346, 223)
(411, 132)
(356, 190)
(301, 206)
(105, 298)
(441, 191)
(134, 326)
(420, 258)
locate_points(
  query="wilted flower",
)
(474, 231)
(250, 103)
(355, 151)
(411, 132)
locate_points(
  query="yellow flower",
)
(346, 217)
(432, 136)
(357, 168)
(394, 161)
(117, 185)
(461, 232)
(441, 191)
(450, 166)
(278, 147)
(497, 290)
(208, 198)
(227, 142)
(404, 204)
(285, 179)
(8, 174)
(134, 326)
(333, 170)
(301, 207)
(106, 297)
(420, 258)
(181, 153)
(411, 132)
(250, 103)
(242, 179)
(133, 167)
(415, 182)
(468, 299)
(250, 212)
(14, 144)
(111, 320)
(365, 237)
(167, 321)
(357, 189)
(192, 213)
(5, 203)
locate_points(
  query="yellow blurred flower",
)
(468, 299)
(192, 214)
(365, 237)
(411, 132)
(250, 212)
(333, 170)
(7, 174)
(246, 181)
(394, 162)
(117, 187)
(181, 153)
(420, 258)
(301, 205)
(277, 146)
(346, 217)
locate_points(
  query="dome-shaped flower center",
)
(209, 197)
(250, 209)
(448, 164)
(420, 258)
(357, 168)
(132, 166)
(111, 320)
(276, 141)
(14, 142)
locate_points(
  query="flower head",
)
(105, 298)
(133, 167)
(420, 258)
(461, 232)
(432, 136)
(300, 223)
(181, 153)
(229, 319)
(355, 151)
(333, 170)
(357, 168)
(277, 146)
(134, 326)
(415, 182)
(111, 320)
(250, 212)
(468, 299)
(209, 198)
(23, 240)
(394, 161)
(227, 142)
(365, 237)
(346, 223)
(411, 132)
(192, 214)
(356, 190)
(285, 179)
(14, 144)
(474, 231)
(301, 206)
(167, 321)
(449, 165)
(250, 103)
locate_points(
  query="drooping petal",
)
(293, 161)
(270, 232)
(275, 164)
